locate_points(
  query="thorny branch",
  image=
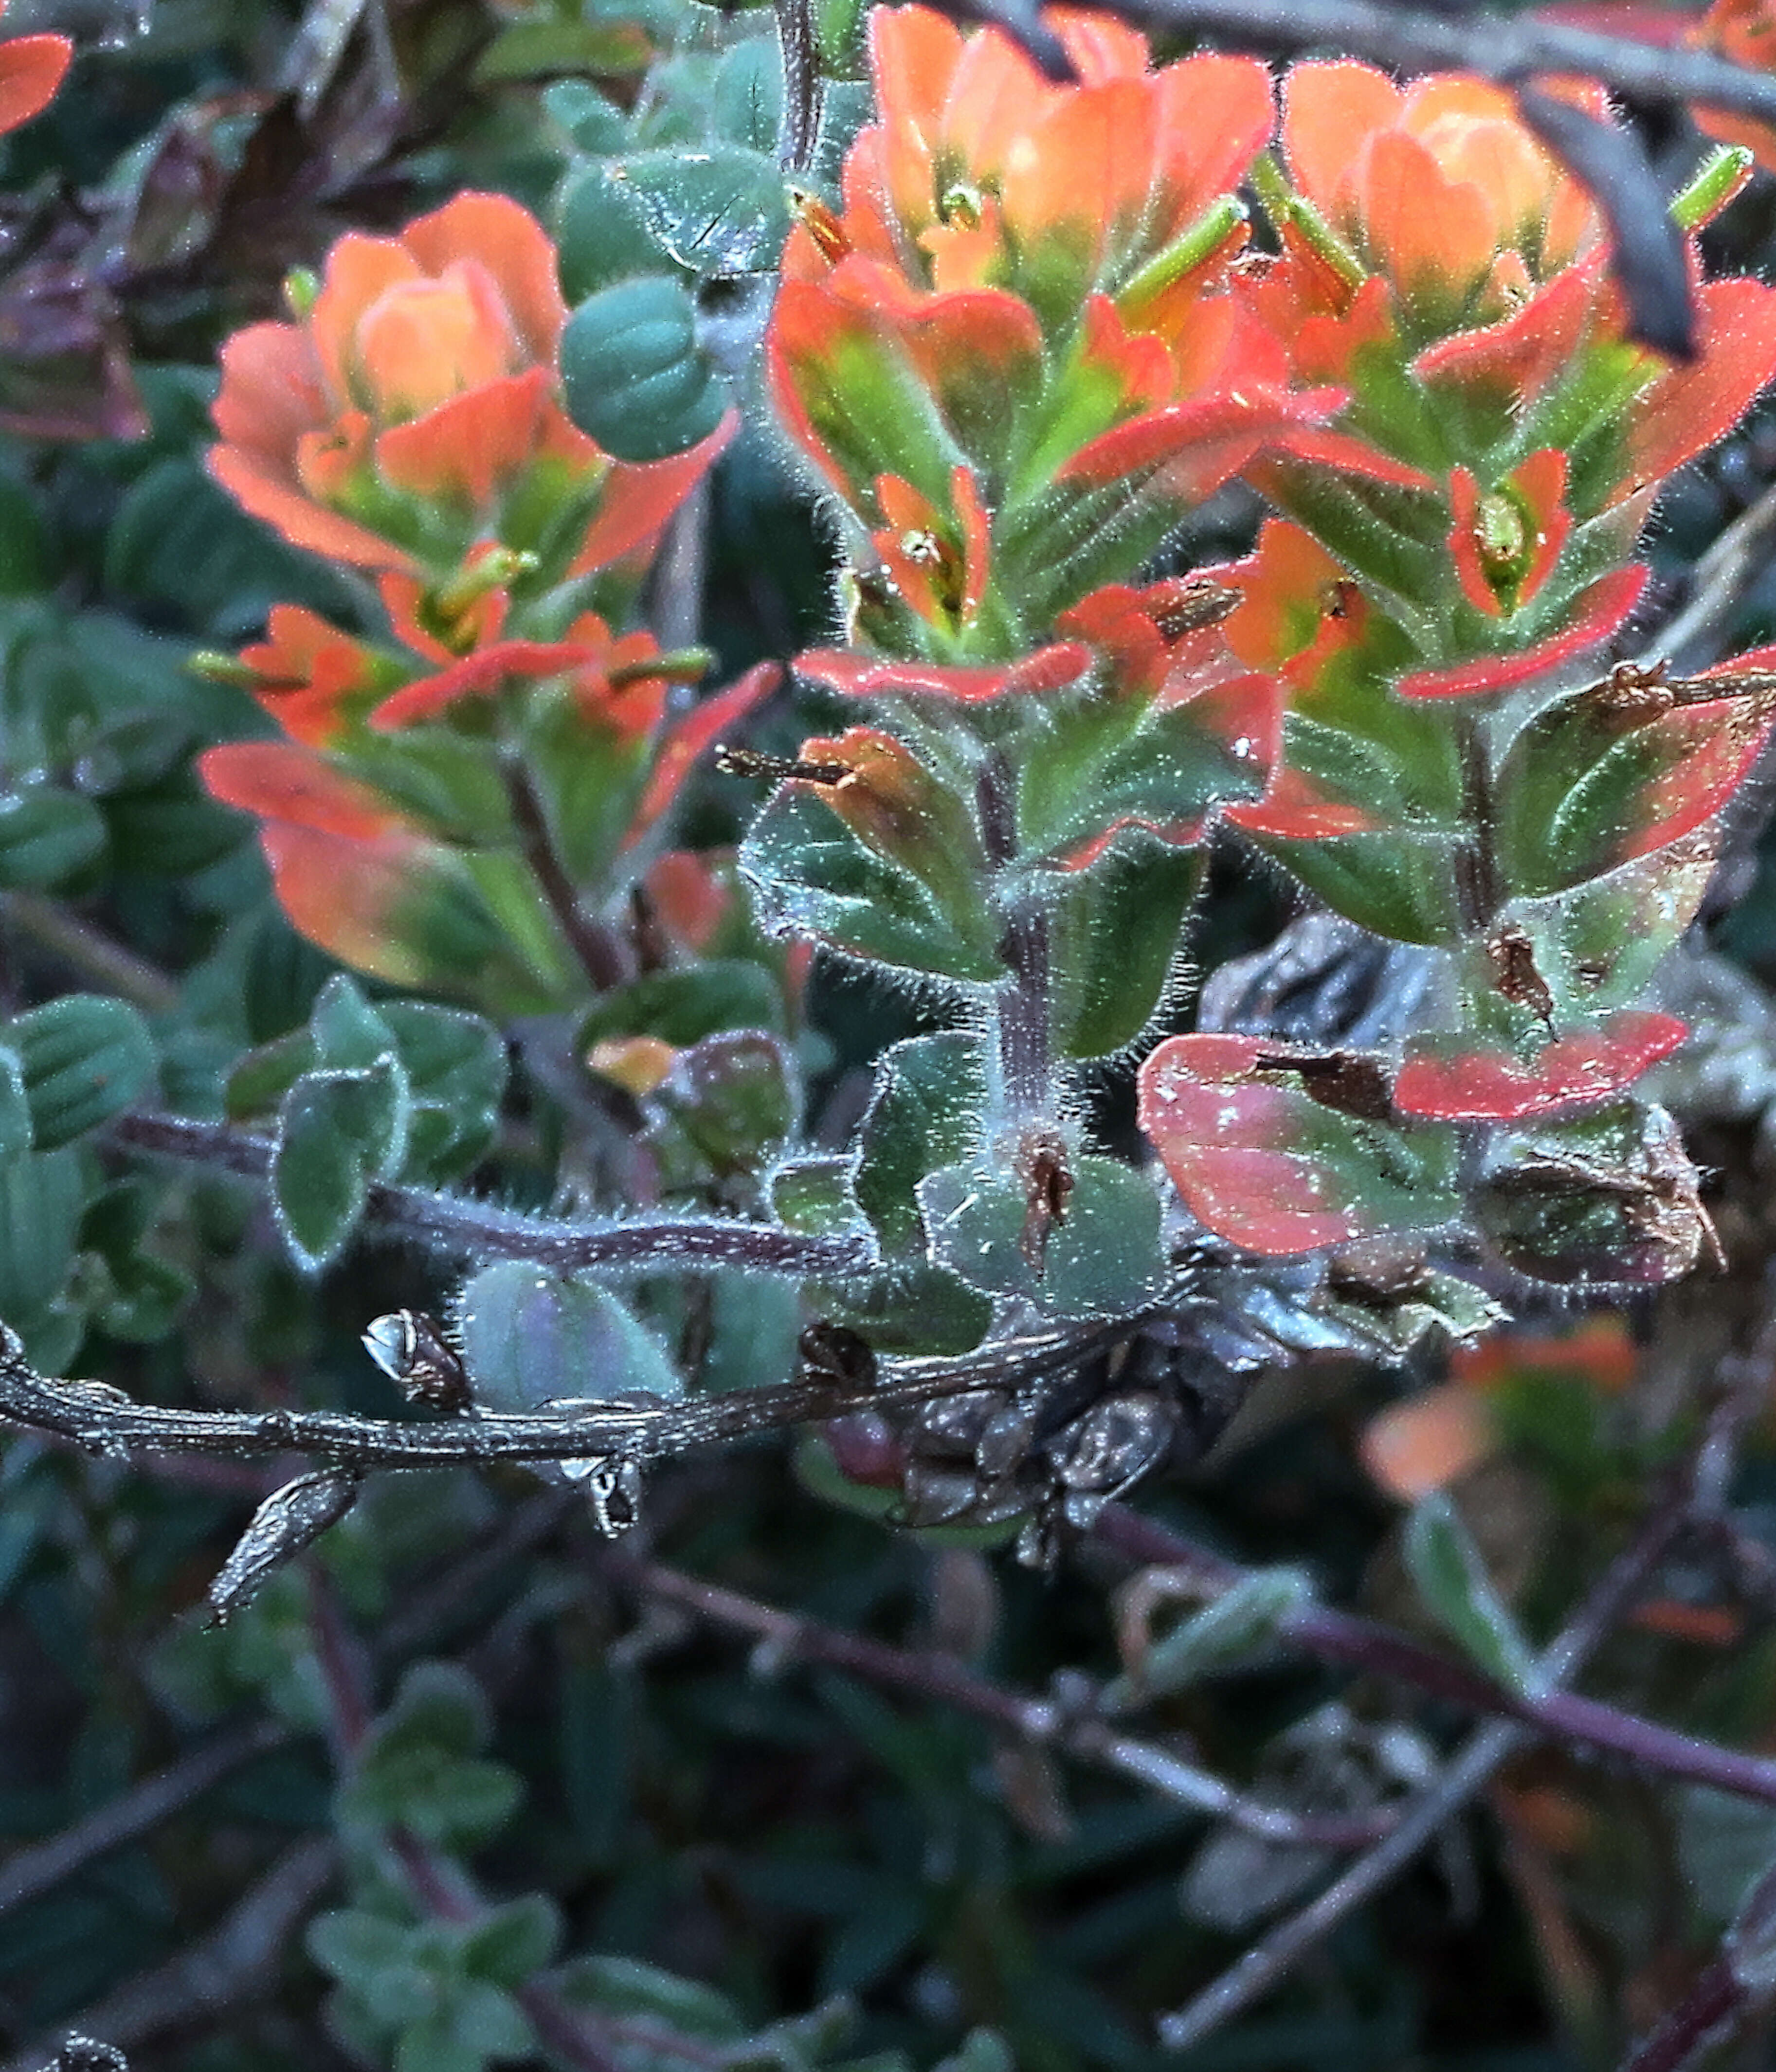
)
(103, 1420)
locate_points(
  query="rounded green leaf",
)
(604, 234)
(337, 1131)
(84, 1058)
(47, 835)
(634, 378)
(531, 1337)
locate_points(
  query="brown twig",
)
(789, 1636)
(234, 1966)
(54, 928)
(29, 1873)
(1270, 1959)
(105, 1422)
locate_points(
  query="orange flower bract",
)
(1438, 185)
(414, 412)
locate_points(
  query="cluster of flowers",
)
(445, 798)
(1034, 335)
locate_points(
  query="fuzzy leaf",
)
(1445, 1566)
(633, 374)
(719, 212)
(919, 910)
(531, 1337)
(1283, 1150)
(337, 1131)
(1610, 1199)
(1115, 940)
(1102, 1257)
(929, 1094)
(1597, 779)
(604, 233)
(84, 1058)
(456, 1072)
(1455, 1078)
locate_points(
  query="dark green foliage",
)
(633, 373)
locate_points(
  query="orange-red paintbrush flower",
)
(412, 412)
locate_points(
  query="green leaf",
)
(931, 1091)
(817, 1195)
(46, 836)
(24, 568)
(753, 1325)
(177, 540)
(1451, 1578)
(722, 212)
(15, 1125)
(337, 1131)
(1114, 942)
(589, 779)
(514, 1941)
(1399, 886)
(457, 1069)
(1102, 758)
(594, 123)
(374, 1958)
(683, 1007)
(1599, 945)
(605, 234)
(746, 105)
(1104, 1259)
(419, 1767)
(349, 1033)
(733, 1098)
(1609, 1199)
(170, 829)
(84, 1058)
(42, 1195)
(633, 376)
(812, 875)
(1718, 178)
(531, 1337)
(262, 1077)
(624, 1988)
(1240, 1623)
(146, 1293)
